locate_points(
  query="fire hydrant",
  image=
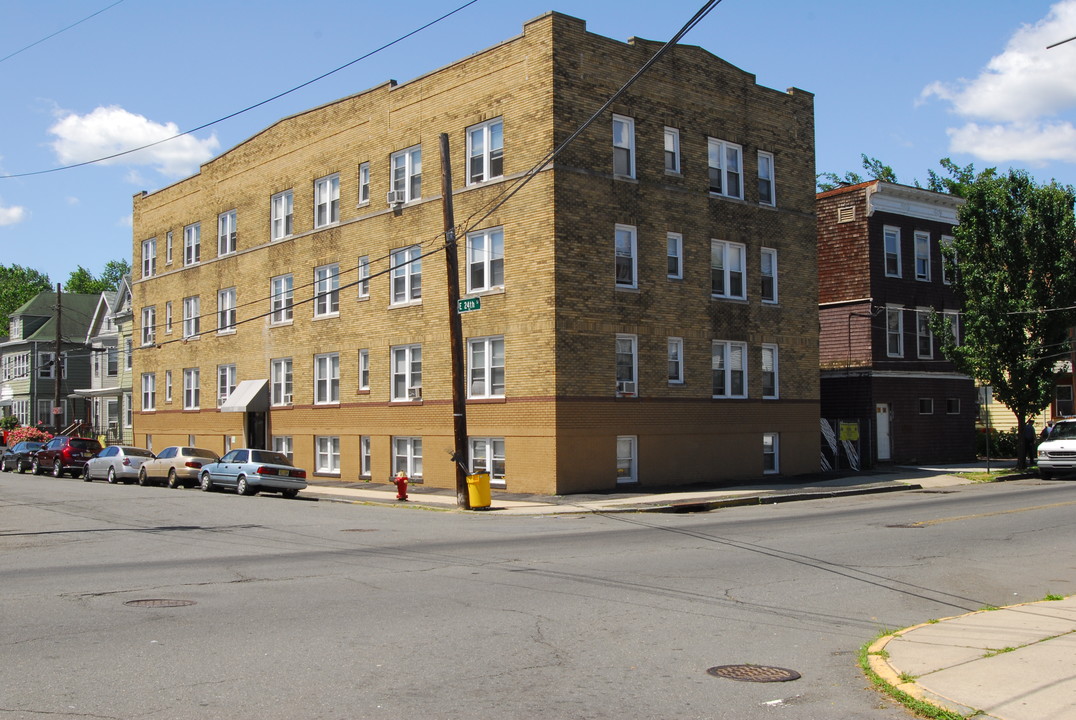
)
(400, 481)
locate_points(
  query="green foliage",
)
(31, 434)
(876, 170)
(18, 285)
(9, 422)
(1003, 443)
(1051, 596)
(82, 280)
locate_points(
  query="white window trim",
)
(192, 388)
(491, 456)
(226, 382)
(327, 195)
(407, 352)
(282, 299)
(898, 312)
(953, 318)
(922, 322)
(946, 241)
(626, 387)
(364, 183)
(168, 386)
(226, 311)
(672, 134)
(192, 244)
(626, 143)
(674, 243)
(365, 456)
(327, 290)
(485, 345)
(327, 379)
(490, 258)
(327, 455)
(283, 444)
(364, 370)
(149, 392)
(281, 384)
(227, 233)
(772, 254)
(726, 347)
(412, 456)
(922, 238)
(676, 344)
(721, 148)
(168, 318)
(364, 277)
(168, 248)
(149, 257)
(724, 246)
(192, 318)
(894, 232)
(487, 153)
(773, 185)
(631, 443)
(409, 157)
(776, 371)
(633, 248)
(776, 444)
(406, 266)
(281, 212)
(149, 325)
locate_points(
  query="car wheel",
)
(112, 475)
(245, 488)
(57, 469)
(86, 473)
(290, 493)
(207, 482)
(143, 477)
(173, 481)
(35, 467)
(20, 466)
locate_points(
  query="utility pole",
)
(57, 366)
(455, 327)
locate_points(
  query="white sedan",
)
(116, 463)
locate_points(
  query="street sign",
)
(468, 304)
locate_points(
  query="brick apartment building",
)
(648, 302)
(880, 274)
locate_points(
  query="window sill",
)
(486, 401)
(225, 332)
(409, 303)
(627, 288)
(483, 292)
(326, 316)
(282, 323)
(327, 473)
(728, 298)
(673, 173)
(406, 401)
(362, 391)
(281, 407)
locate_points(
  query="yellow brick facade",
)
(559, 310)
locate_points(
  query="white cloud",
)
(12, 214)
(1013, 104)
(110, 130)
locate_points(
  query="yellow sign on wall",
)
(849, 431)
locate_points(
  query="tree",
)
(875, 168)
(1016, 278)
(82, 280)
(18, 284)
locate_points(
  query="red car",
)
(65, 454)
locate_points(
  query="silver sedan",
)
(116, 463)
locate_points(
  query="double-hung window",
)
(149, 257)
(891, 241)
(227, 234)
(191, 388)
(765, 179)
(485, 260)
(623, 146)
(280, 381)
(676, 361)
(407, 457)
(485, 368)
(771, 453)
(922, 256)
(327, 290)
(406, 275)
(281, 208)
(364, 183)
(729, 369)
(365, 456)
(364, 370)
(364, 277)
(627, 470)
(923, 336)
(168, 248)
(192, 244)
(952, 318)
(226, 310)
(770, 388)
(627, 369)
(192, 320)
(407, 372)
(326, 201)
(168, 318)
(168, 386)
(948, 259)
(485, 151)
(672, 151)
(149, 391)
(283, 445)
(674, 256)
(768, 275)
(280, 299)
(626, 258)
(328, 454)
(406, 172)
(725, 162)
(225, 382)
(727, 273)
(894, 331)
(487, 456)
(112, 362)
(149, 325)
(327, 378)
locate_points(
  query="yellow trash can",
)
(478, 491)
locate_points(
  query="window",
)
(407, 457)
(924, 337)
(283, 445)
(192, 393)
(168, 248)
(149, 391)
(364, 277)
(47, 366)
(727, 270)
(328, 454)
(364, 183)
(406, 169)
(406, 275)
(168, 318)
(485, 151)
(952, 317)
(948, 262)
(168, 386)
(765, 179)
(729, 369)
(226, 311)
(769, 372)
(626, 468)
(112, 362)
(280, 381)
(894, 331)
(625, 256)
(487, 456)
(768, 273)
(192, 244)
(327, 290)
(485, 260)
(926, 406)
(674, 255)
(626, 368)
(149, 324)
(45, 416)
(149, 258)
(672, 150)
(127, 352)
(364, 370)
(226, 233)
(327, 378)
(407, 372)
(725, 161)
(326, 201)
(281, 207)
(922, 256)
(280, 299)
(1063, 405)
(623, 146)
(128, 409)
(364, 456)
(192, 321)
(676, 361)
(225, 382)
(891, 238)
(485, 367)
(952, 406)
(770, 456)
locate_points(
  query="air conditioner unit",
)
(414, 393)
(396, 197)
(287, 399)
(625, 388)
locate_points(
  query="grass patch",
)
(984, 477)
(999, 651)
(988, 608)
(921, 708)
(1054, 597)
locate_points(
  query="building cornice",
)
(913, 202)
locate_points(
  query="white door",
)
(881, 421)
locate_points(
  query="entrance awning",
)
(248, 396)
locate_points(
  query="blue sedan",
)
(253, 471)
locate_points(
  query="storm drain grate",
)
(159, 603)
(754, 673)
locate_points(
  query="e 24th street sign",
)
(468, 304)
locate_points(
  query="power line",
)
(47, 37)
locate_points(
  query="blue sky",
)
(908, 83)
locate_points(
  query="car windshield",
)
(265, 456)
(1063, 431)
(85, 444)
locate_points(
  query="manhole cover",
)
(159, 603)
(754, 673)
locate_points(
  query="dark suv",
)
(65, 454)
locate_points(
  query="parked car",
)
(176, 465)
(20, 456)
(253, 471)
(64, 454)
(116, 463)
(1057, 454)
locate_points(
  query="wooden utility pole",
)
(455, 327)
(57, 366)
